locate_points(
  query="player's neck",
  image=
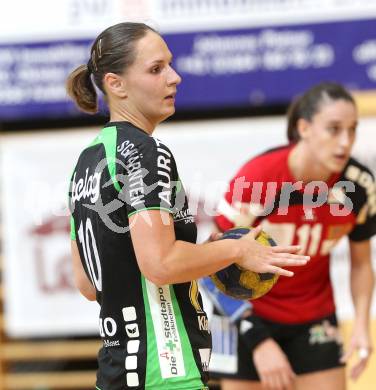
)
(304, 168)
(120, 113)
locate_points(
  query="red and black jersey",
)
(315, 216)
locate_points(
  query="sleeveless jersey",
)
(154, 337)
(315, 216)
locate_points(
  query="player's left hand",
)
(361, 343)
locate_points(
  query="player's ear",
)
(114, 84)
(303, 127)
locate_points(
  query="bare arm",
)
(165, 260)
(362, 282)
(81, 280)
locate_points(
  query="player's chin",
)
(168, 111)
(338, 166)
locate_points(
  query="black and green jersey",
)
(154, 337)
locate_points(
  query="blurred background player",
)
(132, 232)
(291, 340)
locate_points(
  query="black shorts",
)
(310, 347)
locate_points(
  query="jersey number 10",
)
(86, 236)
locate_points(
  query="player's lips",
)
(171, 96)
(341, 157)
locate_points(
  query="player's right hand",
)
(260, 258)
(272, 366)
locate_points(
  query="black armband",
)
(252, 331)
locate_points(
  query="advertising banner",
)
(235, 53)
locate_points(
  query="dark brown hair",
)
(309, 104)
(112, 51)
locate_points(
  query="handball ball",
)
(238, 282)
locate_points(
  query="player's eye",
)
(333, 130)
(155, 69)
